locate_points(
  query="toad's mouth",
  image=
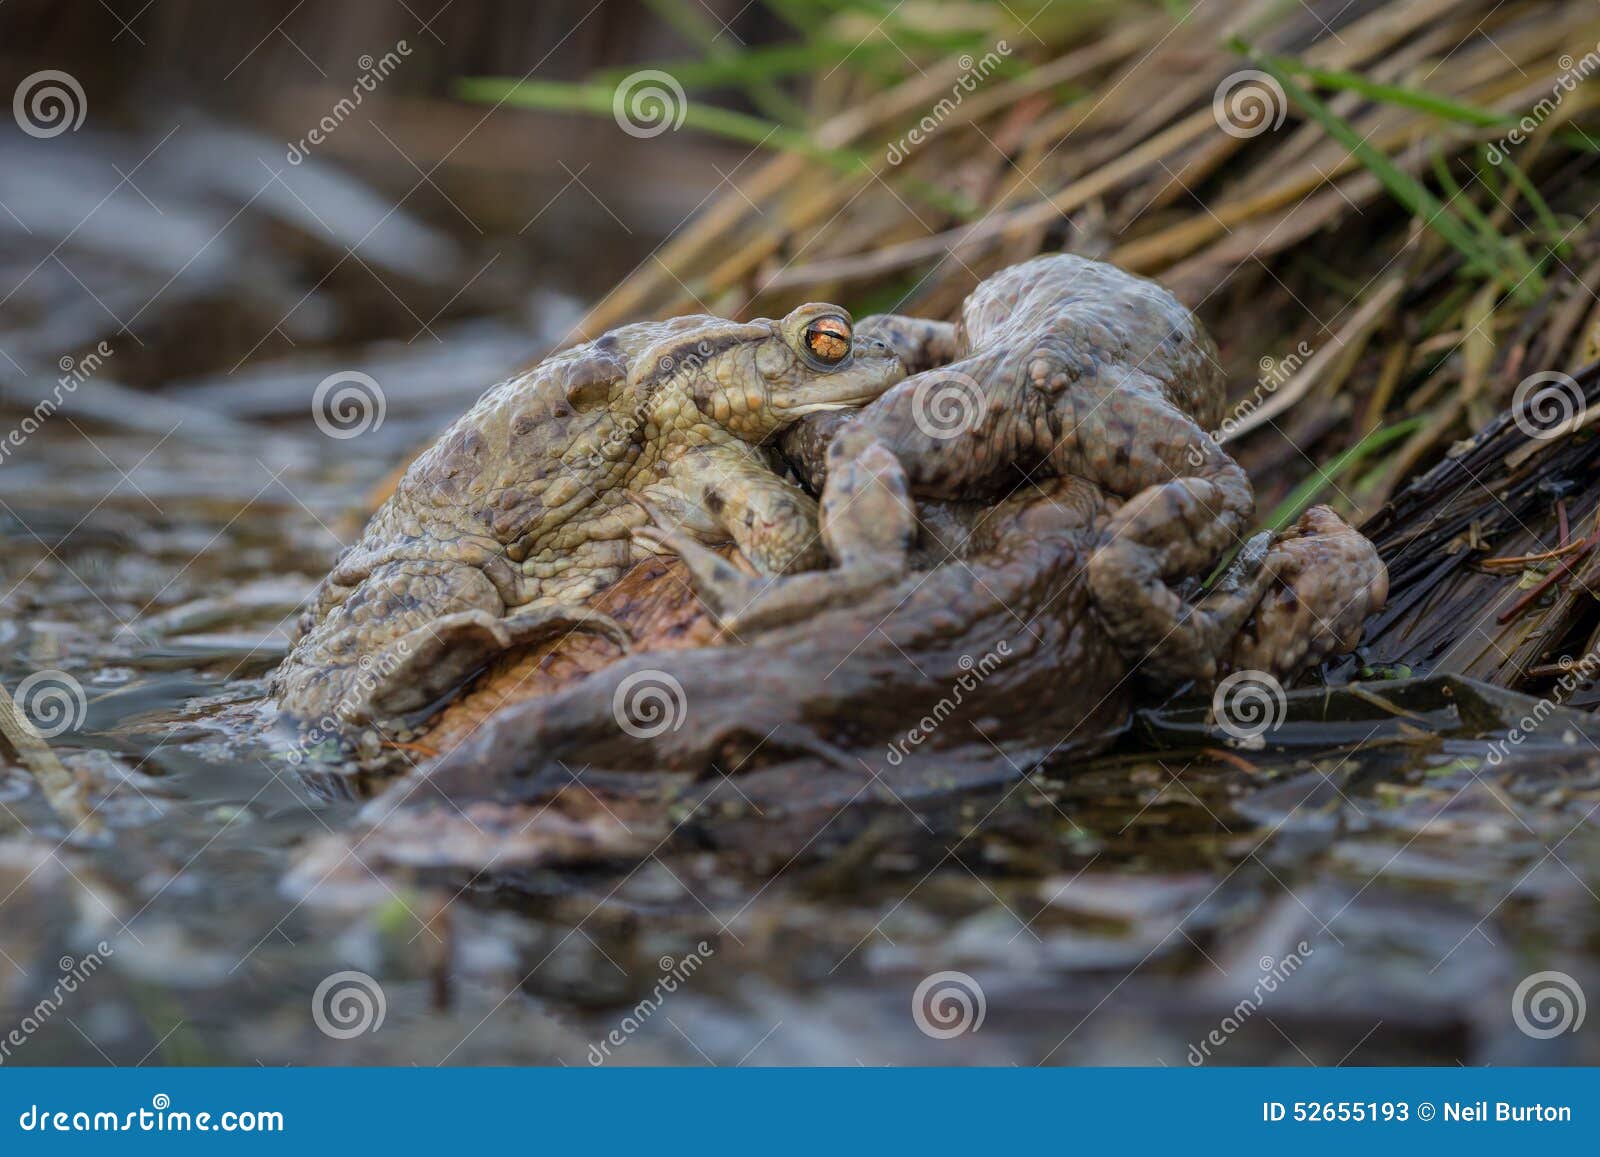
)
(854, 385)
(802, 409)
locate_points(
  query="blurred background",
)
(213, 250)
(253, 254)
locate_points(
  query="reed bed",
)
(1382, 210)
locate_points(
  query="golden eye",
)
(828, 340)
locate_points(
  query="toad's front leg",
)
(735, 489)
(866, 522)
(920, 344)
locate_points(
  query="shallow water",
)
(1115, 912)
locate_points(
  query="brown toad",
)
(504, 528)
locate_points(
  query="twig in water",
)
(60, 789)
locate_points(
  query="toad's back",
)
(535, 452)
(1112, 317)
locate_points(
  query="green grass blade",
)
(1303, 495)
(1439, 106)
(1456, 195)
(771, 62)
(695, 25)
(1541, 208)
(559, 96)
(891, 22)
(795, 13)
(596, 99)
(1402, 186)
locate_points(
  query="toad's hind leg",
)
(422, 667)
(1188, 503)
(409, 634)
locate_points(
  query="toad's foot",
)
(1328, 580)
(920, 344)
(721, 585)
(428, 664)
(1172, 640)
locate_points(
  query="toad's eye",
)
(828, 340)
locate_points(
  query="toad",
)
(501, 532)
